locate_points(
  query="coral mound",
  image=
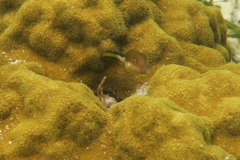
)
(196, 92)
(49, 116)
(51, 62)
(214, 94)
(161, 130)
(69, 38)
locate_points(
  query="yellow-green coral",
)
(50, 111)
(198, 93)
(155, 128)
(226, 117)
(213, 94)
(74, 34)
(8, 102)
(45, 118)
(6, 5)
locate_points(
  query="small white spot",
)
(9, 142)
(109, 101)
(227, 158)
(6, 127)
(142, 90)
(15, 61)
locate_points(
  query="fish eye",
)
(134, 61)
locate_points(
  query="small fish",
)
(133, 60)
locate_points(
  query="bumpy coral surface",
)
(214, 94)
(191, 105)
(68, 38)
(161, 130)
(44, 116)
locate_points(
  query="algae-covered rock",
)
(8, 102)
(68, 37)
(214, 94)
(154, 128)
(196, 92)
(60, 120)
(45, 115)
(226, 120)
(40, 112)
(227, 116)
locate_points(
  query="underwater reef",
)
(51, 63)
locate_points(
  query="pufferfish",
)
(133, 60)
